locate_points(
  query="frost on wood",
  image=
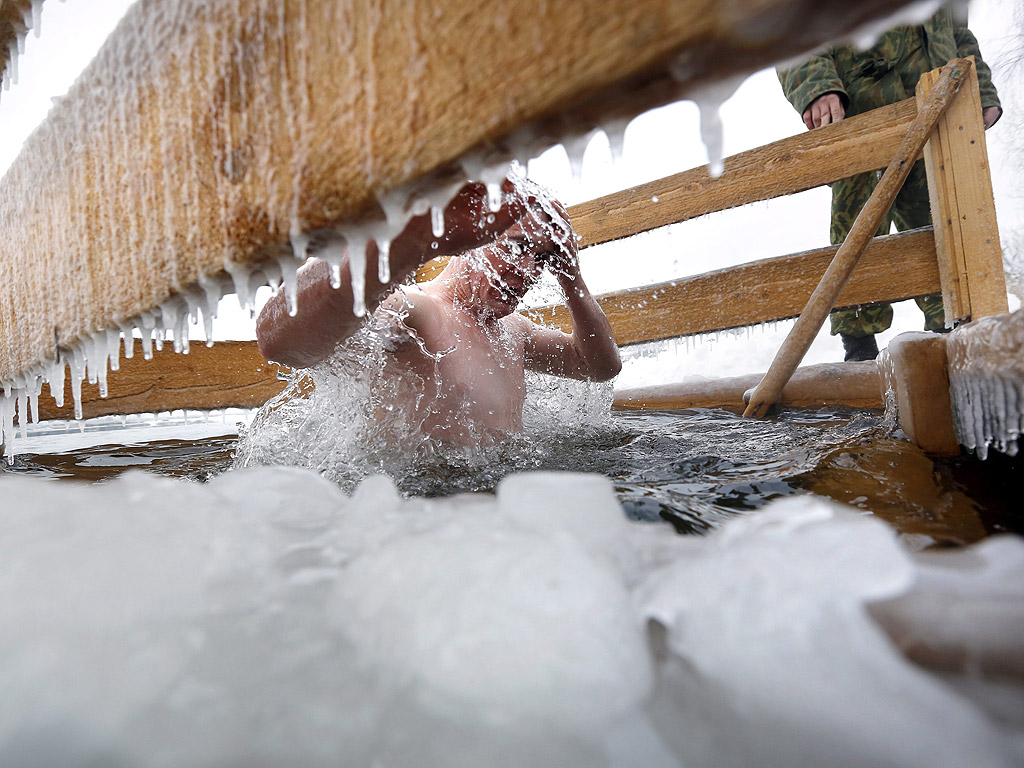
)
(986, 378)
(207, 139)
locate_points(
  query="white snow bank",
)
(267, 619)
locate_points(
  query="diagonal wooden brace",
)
(838, 273)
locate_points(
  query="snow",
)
(268, 618)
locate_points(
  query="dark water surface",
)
(694, 469)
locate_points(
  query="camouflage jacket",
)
(850, 72)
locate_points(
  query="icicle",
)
(575, 149)
(615, 131)
(129, 339)
(494, 197)
(77, 373)
(384, 261)
(240, 278)
(333, 253)
(711, 135)
(23, 412)
(289, 276)
(57, 377)
(437, 219)
(113, 348)
(7, 426)
(357, 271)
(12, 64)
(37, 15)
(393, 205)
(147, 343)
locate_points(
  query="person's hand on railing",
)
(989, 115)
(824, 110)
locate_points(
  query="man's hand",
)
(824, 110)
(989, 115)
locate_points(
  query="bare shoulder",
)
(408, 317)
(519, 324)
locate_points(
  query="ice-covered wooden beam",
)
(208, 134)
(230, 374)
(986, 377)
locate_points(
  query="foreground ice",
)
(266, 618)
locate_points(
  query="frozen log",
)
(230, 374)
(213, 134)
(857, 385)
(915, 372)
(986, 377)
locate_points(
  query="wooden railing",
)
(960, 258)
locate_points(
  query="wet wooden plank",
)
(230, 374)
(892, 268)
(795, 164)
(857, 385)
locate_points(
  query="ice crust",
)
(266, 618)
(986, 379)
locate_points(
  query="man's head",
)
(503, 272)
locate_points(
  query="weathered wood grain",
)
(857, 385)
(212, 132)
(893, 268)
(960, 187)
(919, 380)
(231, 374)
(795, 164)
(825, 296)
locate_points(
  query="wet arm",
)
(325, 315)
(589, 352)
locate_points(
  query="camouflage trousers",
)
(910, 210)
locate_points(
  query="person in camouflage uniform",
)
(844, 81)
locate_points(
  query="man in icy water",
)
(455, 344)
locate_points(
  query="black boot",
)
(859, 347)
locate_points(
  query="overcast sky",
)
(658, 143)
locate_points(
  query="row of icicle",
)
(16, 47)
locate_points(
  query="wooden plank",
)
(893, 268)
(212, 132)
(964, 131)
(230, 374)
(945, 213)
(795, 164)
(857, 385)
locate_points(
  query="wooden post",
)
(824, 297)
(917, 374)
(963, 211)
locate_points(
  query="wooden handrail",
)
(795, 164)
(893, 268)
